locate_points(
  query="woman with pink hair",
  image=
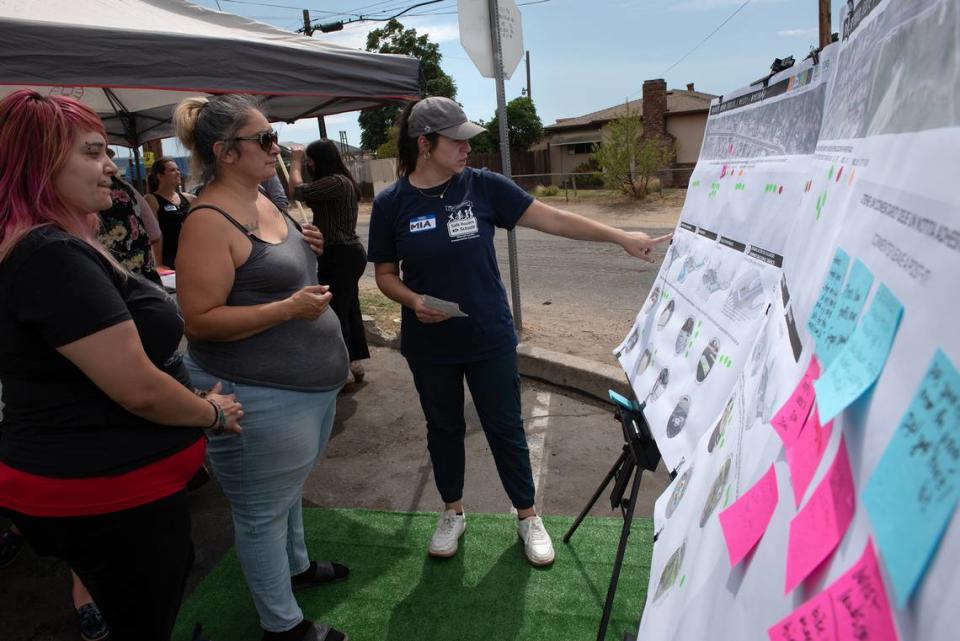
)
(101, 431)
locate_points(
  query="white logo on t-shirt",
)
(461, 223)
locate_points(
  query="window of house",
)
(581, 148)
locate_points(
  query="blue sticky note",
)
(844, 317)
(829, 293)
(861, 359)
(914, 489)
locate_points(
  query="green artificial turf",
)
(488, 591)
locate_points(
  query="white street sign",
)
(475, 35)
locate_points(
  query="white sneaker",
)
(445, 538)
(536, 542)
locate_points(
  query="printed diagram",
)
(707, 359)
(766, 395)
(666, 314)
(671, 572)
(654, 297)
(745, 300)
(690, 265)
(679, 490)
(715, 279)
(679, 417)
(632, 339)
(717, 491)
(642, 363)
(716, 437)
(659, 385)
(684, 336)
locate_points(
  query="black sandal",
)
(318, 573)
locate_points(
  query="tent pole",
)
(136, 165)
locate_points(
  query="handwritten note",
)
(914, 489)
(819, 526)
(861, 360)
(789, 419)
(852, 608)
(829, 293)
(812, 621)
(804, 455)
(844, 317)
(860, 605)
(745, 521)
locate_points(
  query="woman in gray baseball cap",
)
(431, 235)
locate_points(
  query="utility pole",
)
(826, 36)
(497, 43)
(307, 26)
(529, 95)
(308, 31)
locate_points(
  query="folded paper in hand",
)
(450, 309)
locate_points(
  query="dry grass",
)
(383, 310)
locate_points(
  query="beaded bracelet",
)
(220, 420)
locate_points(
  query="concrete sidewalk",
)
(378, 458)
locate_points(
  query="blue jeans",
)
(262, 473)
(495, 388)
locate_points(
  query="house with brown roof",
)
(674, 115)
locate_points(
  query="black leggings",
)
(340, 267)
(134, 562)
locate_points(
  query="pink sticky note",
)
(745, 521)
(804, 455)
(812, 621)
(861, 609)
(853, 608)
(788, 421)
(817, 529)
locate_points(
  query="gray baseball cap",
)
(438, 115)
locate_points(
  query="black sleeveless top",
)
(170, 217)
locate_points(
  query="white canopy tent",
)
(133, 60)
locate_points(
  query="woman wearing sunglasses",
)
(257, 320)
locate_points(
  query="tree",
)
(523, 125)
(389, 148)
(394, 38)
(627, 160)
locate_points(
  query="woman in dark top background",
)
(101, 432)
(333, 196)
(169, 204)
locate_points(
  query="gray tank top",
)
(304, 355)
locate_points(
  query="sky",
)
(585, 55)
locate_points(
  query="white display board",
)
(814, 270)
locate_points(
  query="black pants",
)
(134, 562)
(340, 267)
(495, 388)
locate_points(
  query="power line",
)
(709, 35)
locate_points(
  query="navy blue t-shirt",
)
(445, 249)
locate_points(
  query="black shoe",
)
(318, 573)
(11, 545)
(92, 625)
(307, 631)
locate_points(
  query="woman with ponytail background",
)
(333, 195)
(101, 431)
(257, 320)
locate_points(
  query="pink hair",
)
(37, 134)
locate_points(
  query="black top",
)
(333, 200)
(56, 289)
(170, 217)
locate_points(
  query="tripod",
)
(639, 453)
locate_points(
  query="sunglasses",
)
(266, 139)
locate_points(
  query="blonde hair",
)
(201, 122)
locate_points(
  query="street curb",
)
(582, 375)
